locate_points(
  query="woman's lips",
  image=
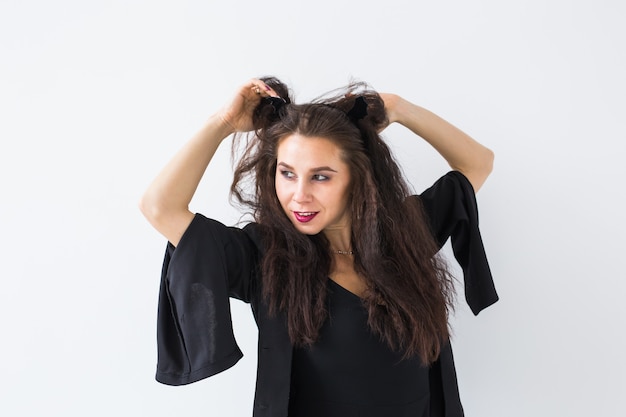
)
(305, 216)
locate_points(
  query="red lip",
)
(304, 216)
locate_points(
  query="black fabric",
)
(194, 330)
(351, 371)
(451, 207)
(213, 262)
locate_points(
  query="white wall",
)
(96, 96)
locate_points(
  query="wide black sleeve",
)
(195, 338)
(452, 212)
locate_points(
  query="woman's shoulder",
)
(451, 189)
(213, 231)
(448, 201)
(449, 183)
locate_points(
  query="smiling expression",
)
(312, 183)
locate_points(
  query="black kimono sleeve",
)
(211, 263)
(450, 205)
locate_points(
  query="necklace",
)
(343, 252)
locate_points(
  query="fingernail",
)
(267, 87)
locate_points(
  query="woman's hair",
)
(409, 291)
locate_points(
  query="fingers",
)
(261, 89)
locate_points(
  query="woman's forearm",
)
(462, 153)
(166, 201)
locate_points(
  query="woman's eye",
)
(287, 174)
(320, 177)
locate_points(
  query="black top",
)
(213, 262)
(349, 371)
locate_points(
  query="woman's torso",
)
(349, 371)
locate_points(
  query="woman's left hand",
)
(392, 103)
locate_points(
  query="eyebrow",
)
(317, 169)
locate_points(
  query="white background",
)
(96, 96)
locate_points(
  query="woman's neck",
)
(340, 240)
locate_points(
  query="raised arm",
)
(461, 152)
(166, 201)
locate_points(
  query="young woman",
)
(340, 265)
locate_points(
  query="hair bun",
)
(360, 103)
(270, 108)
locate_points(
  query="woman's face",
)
(312, 183)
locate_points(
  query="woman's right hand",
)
(238, 113)
(166, 201)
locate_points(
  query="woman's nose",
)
(302, 194)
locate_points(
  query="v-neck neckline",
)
(344, 289)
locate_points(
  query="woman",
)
(340, 265)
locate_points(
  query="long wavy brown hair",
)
(409, 291)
